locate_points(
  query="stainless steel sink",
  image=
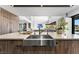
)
(47, 37)
(33, 37)
(39, 37)
(36, 40)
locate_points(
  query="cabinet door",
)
(14, 46)
(63, 46)
(0, 25)
(59, 47)
(3, 46)
(0, 21)
(75, 47)
(38, 50)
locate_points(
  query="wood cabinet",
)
(8, 22)
(38, 50)
(0, 23)
(74, 49)
(3, 46)
(67, 46)
(60, 47)
(12, 46)
(63, 46)
(16, 47)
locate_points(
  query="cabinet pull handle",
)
(56, 43)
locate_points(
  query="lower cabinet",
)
(10, 46)
(74, 47)
(13, 46)
(67, 47)
(63, 47)
(16, 47)
(38, 50)
(3, 46)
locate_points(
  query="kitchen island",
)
(13, 44)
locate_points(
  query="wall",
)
(68, 27)
(8, 22)
(74, 10)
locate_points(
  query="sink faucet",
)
(34, 32)
(39, 32)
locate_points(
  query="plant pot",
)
(59, 31)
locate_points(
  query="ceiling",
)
(39, 19)
(41, 11)
(40, 14)
(44, 19)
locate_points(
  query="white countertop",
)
(56, 36)
(24, 36)
(14, 36)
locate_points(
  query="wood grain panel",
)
(74, 49)
(16, 47)
(8, 22)
(63, 46)
(3, 46)
(12, 46)
(38, 50)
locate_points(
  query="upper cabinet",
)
(8, 22)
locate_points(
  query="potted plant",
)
(61, 25)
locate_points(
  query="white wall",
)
(74, 11)
(68, 30)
